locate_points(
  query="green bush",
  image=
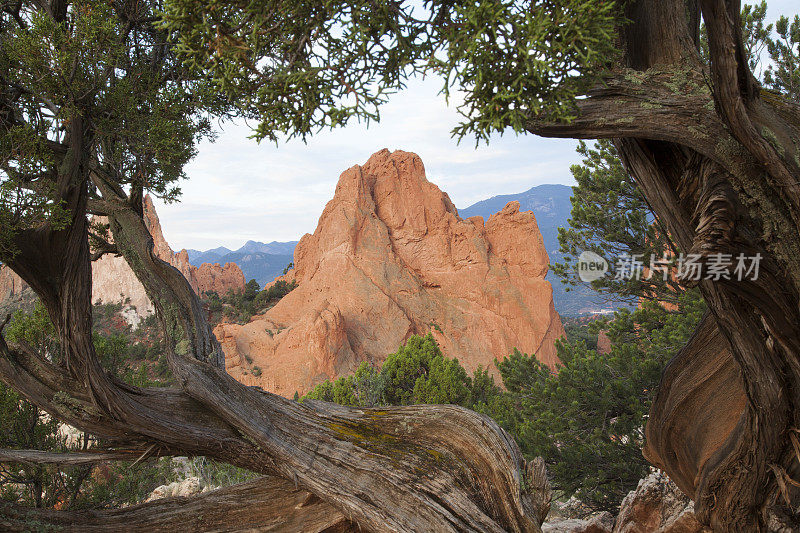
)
(35, 329)
(240, 307)
(24, 426)
(216, 474)
(275, 292)
(364, 388)
(417, 373)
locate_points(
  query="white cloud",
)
(239, 189)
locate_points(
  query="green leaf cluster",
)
(783, 74)
(297, 67)
(781, 41)
(611, 217)
(513, 61)
(91, 89)
(301, 66)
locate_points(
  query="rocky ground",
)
(656, 506)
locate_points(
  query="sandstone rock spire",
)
(391, 258)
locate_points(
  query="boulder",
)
(657, 506)
(599, 523)
(186, 487)
(219, 279)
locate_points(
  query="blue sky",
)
(239, 190)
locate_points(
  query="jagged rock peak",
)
(390, 258)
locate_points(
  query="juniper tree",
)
(712, 152)
(610, 217)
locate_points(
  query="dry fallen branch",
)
(265, 504)
(65, 459)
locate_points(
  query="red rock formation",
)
(11, 286)
(391, 258)
(219, 279)
(113, 280)
(603, 343)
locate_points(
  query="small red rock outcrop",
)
(113, 280)
(220, 279)
(11, 287)
(391, 258)
(603, 343)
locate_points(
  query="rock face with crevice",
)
(391, 258)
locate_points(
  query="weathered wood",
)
(69, 458)
(700, 403)
(266, 504)
(716, 160)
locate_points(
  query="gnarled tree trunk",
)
(266, 504)
(718, 161)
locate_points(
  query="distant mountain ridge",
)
(258, 260)
(209, 256)
(551, 204)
